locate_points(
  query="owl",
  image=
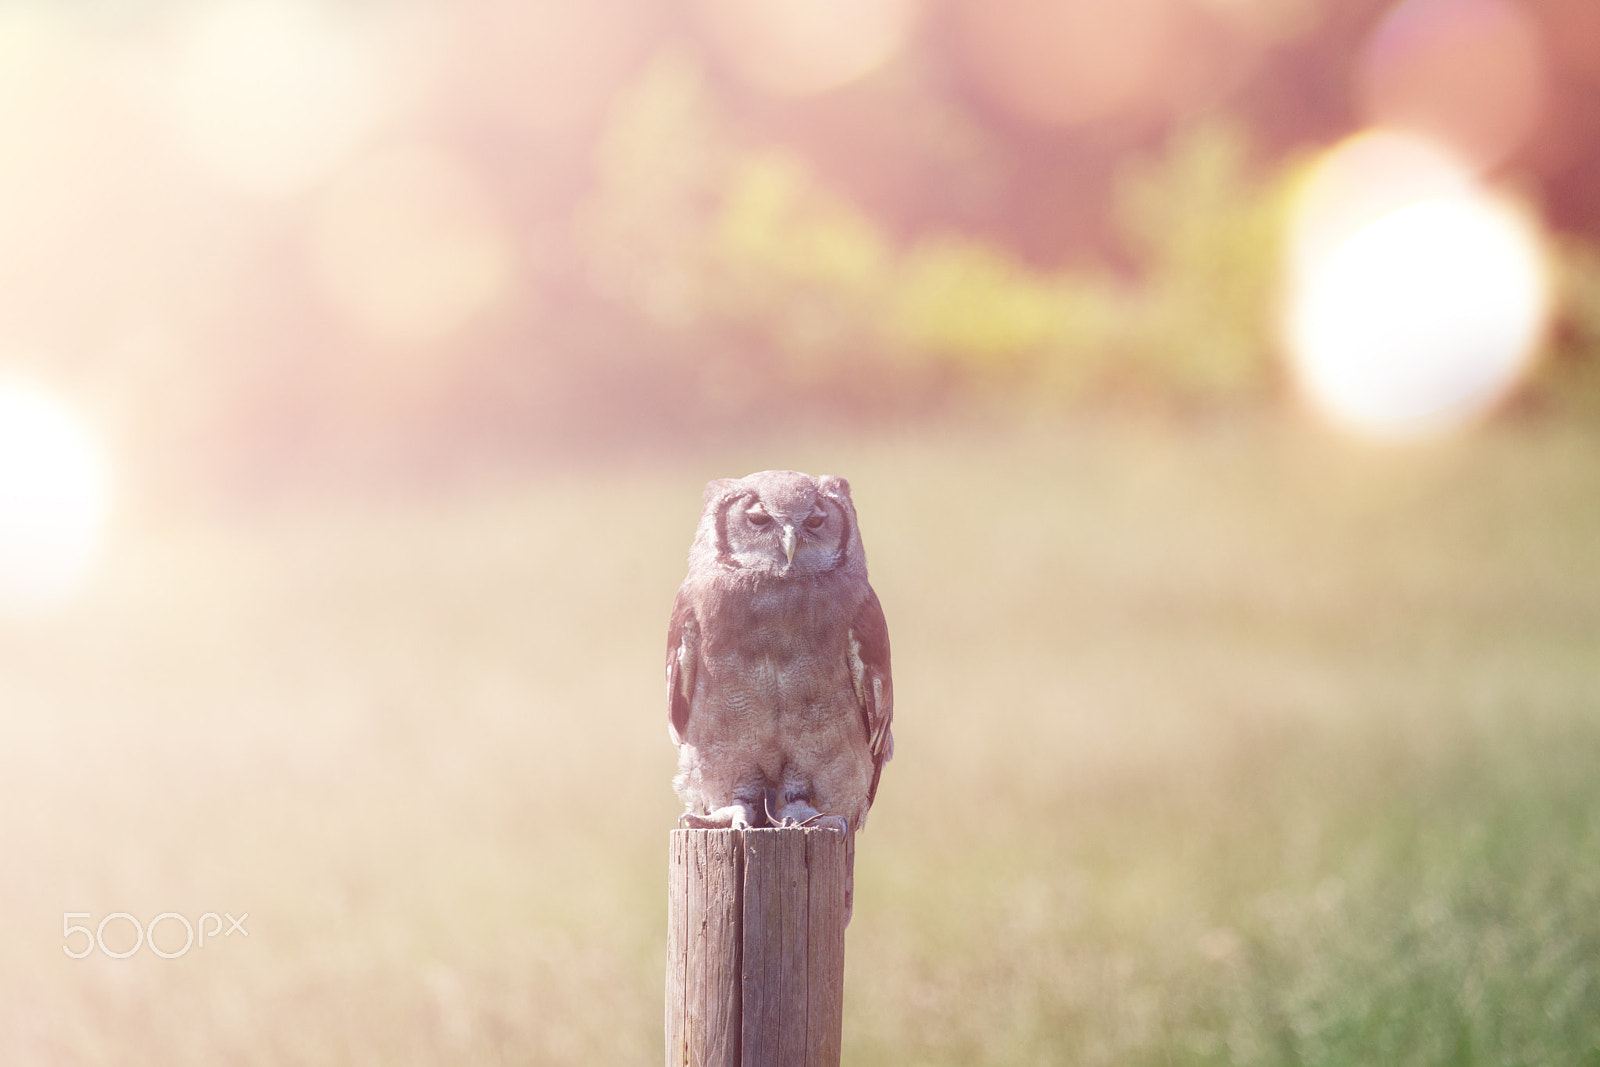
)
(779, 692)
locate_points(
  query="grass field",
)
(1223, 744)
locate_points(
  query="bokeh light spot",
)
(270, 95)
(546, 66)
(1469, 74)
(409, 245)
(1267, 20)
(1418, 296)
(54, 498)
(798, 47)
(1057, 64)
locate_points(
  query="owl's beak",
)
(788, 543)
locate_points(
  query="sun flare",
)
(1419, 296)
(54, 499)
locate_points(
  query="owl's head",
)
(779, 524)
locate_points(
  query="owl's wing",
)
(683, 649)
(869, 669)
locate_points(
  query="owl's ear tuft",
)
(718, 487)
(832, 485)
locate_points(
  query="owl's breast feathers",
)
(826, 632)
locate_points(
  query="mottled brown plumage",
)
(779, 692)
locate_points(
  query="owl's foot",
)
(737, 816)
(800, 813)
(819, 821)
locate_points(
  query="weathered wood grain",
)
(703, 919)
(755, 948)
(825, 862)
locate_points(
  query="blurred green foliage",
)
(700, 234)
(657, 168)
(746, 248)
(1569, 379)
(1208, 234)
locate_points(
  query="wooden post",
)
(755, 948)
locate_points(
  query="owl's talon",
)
(736, 816)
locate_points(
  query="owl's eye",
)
(758, 518)
(815, 522)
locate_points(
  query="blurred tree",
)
(749, 242)
(1206, 234)
(1568, 380)
(799, 266)
(659, 164)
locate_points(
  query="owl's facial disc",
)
(784, 530)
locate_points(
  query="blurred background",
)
(1219, 381)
